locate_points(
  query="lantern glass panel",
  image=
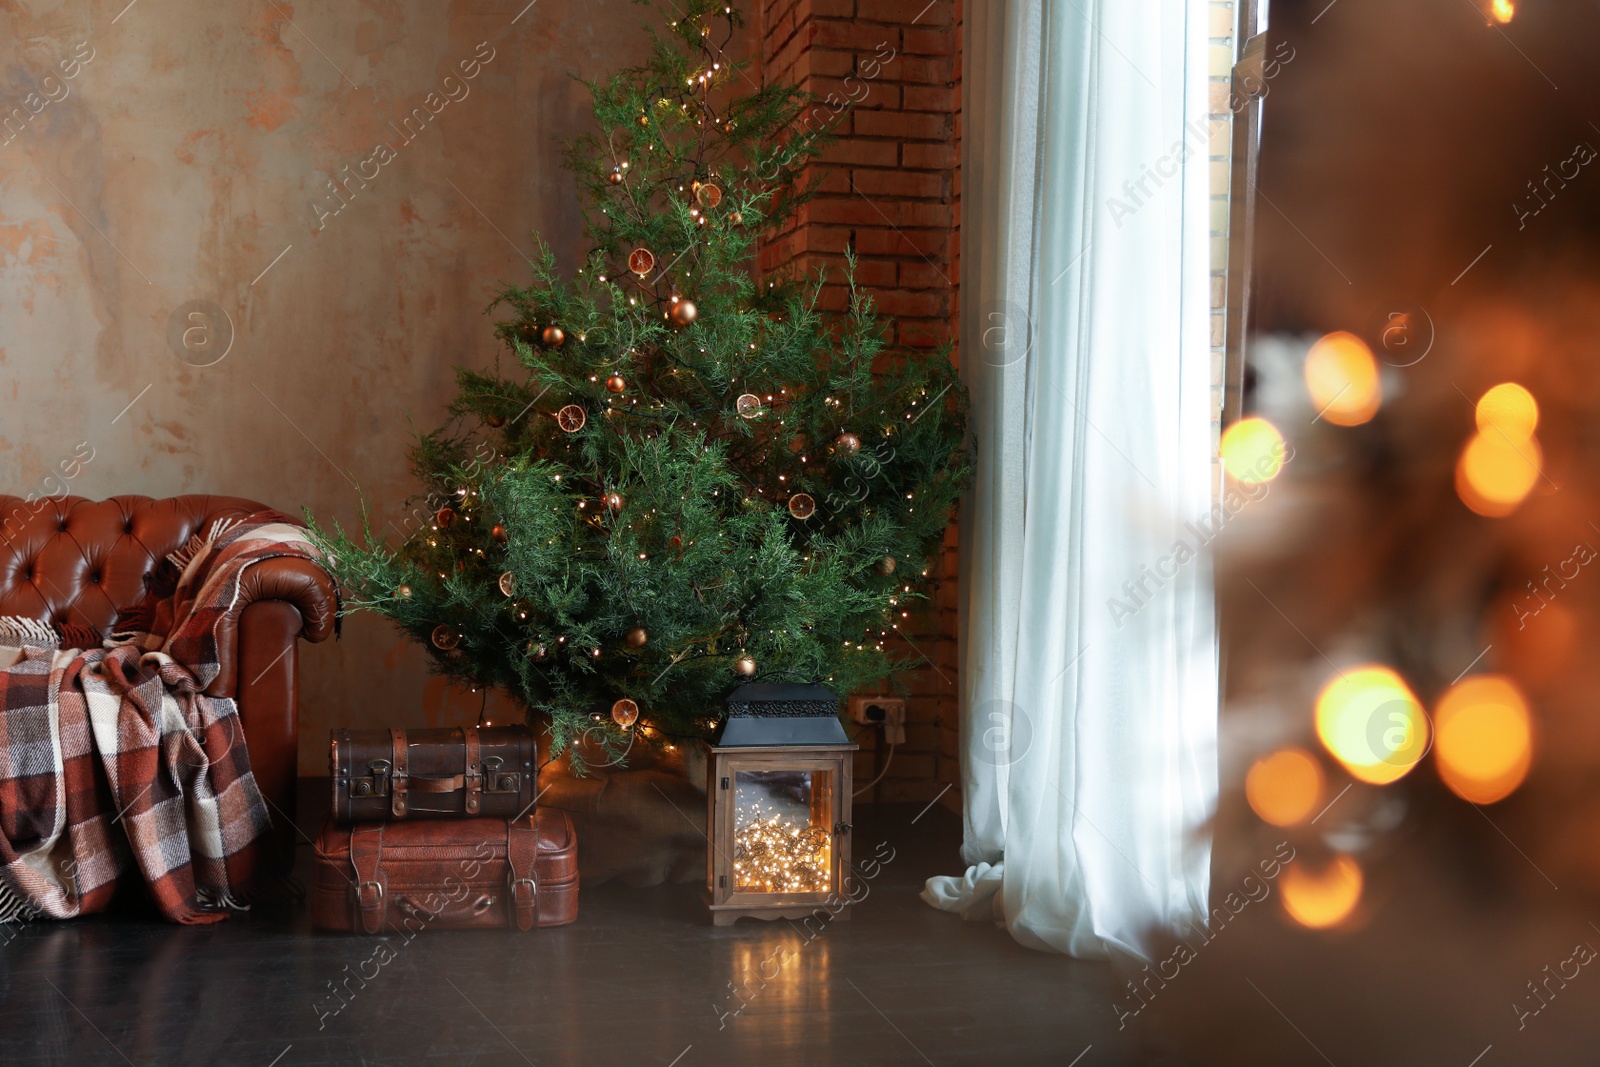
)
(783, 831)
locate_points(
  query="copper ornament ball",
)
(536, 651)
(745, 665)
(683, 312)
(624, 712)
(847, 442)
(615, 177)
(638, 637)
(553, 336)
(508, 583)
(496, 421)
(444, 638)
(614, 501)
(802, 505)
(675, 541)
(616, 384)
(571, 418)
(498, 532)
(886, 565)
(403, 592)
(736, 218)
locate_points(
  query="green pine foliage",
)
(678, 511)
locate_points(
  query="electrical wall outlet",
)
(887, 712)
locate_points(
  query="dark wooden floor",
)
(641, 978)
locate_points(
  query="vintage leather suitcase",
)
(438, 774)
(467, 874)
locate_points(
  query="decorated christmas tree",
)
(690, 476)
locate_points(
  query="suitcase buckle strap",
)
(366, 888)
(525, 901)
(522, 853)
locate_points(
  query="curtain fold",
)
(1088, 644)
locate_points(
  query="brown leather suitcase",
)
(468, 874)
(432, 774)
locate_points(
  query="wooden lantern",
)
(778, 805)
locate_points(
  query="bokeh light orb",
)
(1342, 378)
(1496, 473)
(1321, 898)
(1253, 450)
(1284, 787)
(1508, 409)
(1369, 720)
(1485, 738)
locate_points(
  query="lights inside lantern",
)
(778, 804)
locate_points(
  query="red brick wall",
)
(891, 192)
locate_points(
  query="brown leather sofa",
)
(67, 560)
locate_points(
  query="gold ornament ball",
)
(498, 532)
(802, 505)
(616, 384)
(644, 120)
(624, 712)
(571, 418)
(886, 565)
(553, 336)
(683, 312)
(508, 583)
(847, 442)
(736, 218)
(444, 517)
(637, 637)
(444, 638)
(614, 501)
(536, 651)
(403, 592)
(745, 665)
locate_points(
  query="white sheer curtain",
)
(1089, 659)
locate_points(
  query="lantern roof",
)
(782, 713)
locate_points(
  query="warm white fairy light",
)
(771, 855)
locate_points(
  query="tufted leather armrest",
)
(83, 563)
(297, 582)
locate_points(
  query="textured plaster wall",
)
(162, 154)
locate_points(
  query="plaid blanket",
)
(113, 758)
